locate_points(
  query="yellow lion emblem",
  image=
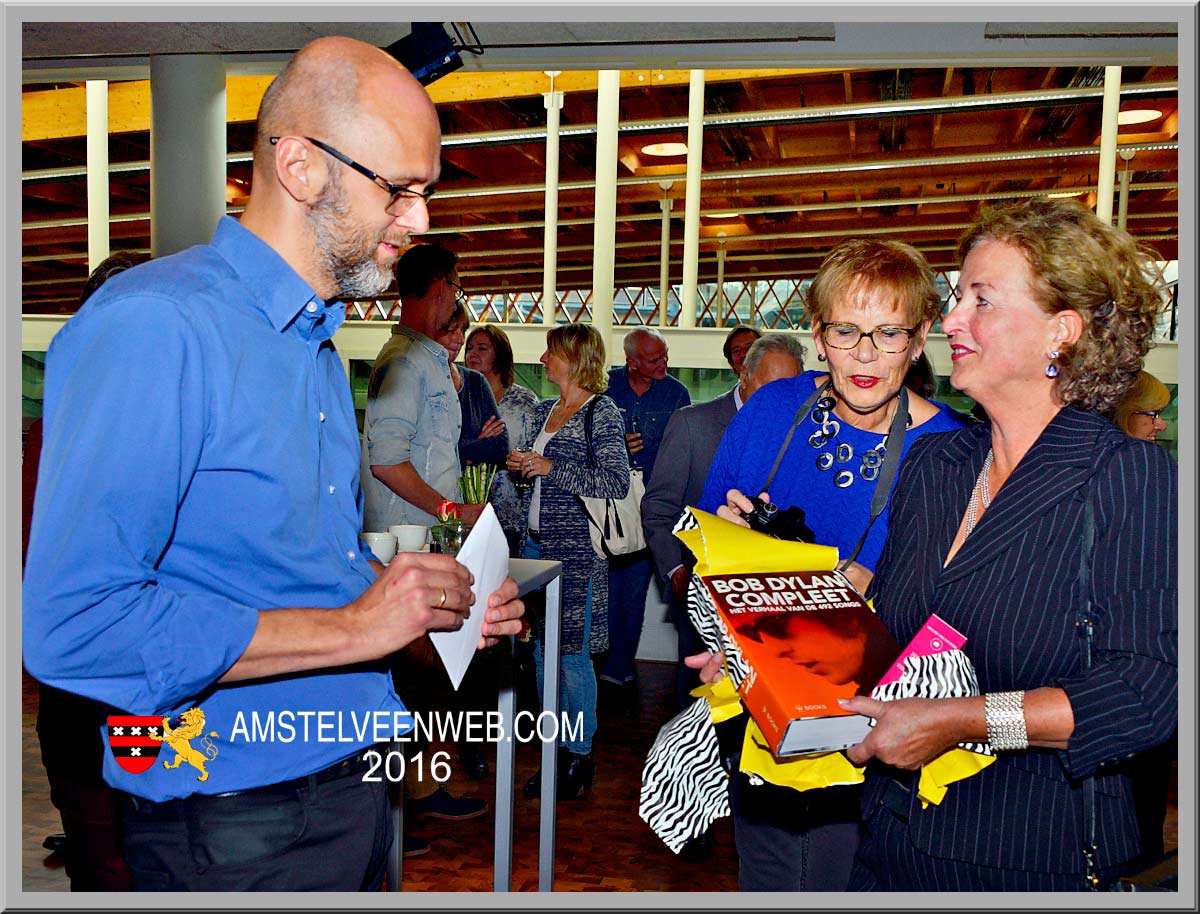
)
(180, 739)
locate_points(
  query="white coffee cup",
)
(382, 544)
(409, 537)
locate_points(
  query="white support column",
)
(720, 296)
(608, 97)
(96, 103)
(1123, 199)
(664, 254)
(187, 150)
(553, 102)
(691, 215)
(1108, 144)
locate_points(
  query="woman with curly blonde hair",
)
(1009, 530)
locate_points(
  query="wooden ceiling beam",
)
(758, 102)
(60, 113)
(937, 120)
(846, 82)
(1027, 113)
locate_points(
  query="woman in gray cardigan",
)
(562, 470)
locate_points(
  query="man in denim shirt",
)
(409, 465)
(410, 435)
(647, 396)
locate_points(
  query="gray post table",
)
(530, 575)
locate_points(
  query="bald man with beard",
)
(195, 539)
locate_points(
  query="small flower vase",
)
(447, 537)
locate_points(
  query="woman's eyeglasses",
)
(886, 339)
(1152, 413)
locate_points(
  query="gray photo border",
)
(847, 14)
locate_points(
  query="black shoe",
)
(441, 804)
(533, 787)
(630, 701)
(56, 844)
(415, 847)
(575, 780)
(697, 850)
(474, 765)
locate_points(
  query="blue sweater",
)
(478, 404)
(837, 516)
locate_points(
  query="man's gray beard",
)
(347, 255)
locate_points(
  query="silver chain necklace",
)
(981, 494)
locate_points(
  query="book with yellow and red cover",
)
(808, 638)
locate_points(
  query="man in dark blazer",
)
(687, 450)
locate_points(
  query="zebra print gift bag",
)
(685, 787)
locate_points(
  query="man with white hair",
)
(647, 397)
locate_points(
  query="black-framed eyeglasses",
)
(1152, 413)
(460, 294)
(401, 198)
(886, 339)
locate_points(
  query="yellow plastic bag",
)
(952, 765)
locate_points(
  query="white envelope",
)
(485, 553)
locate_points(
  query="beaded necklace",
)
(842, 452)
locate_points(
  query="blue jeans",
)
(576, 678)
(628, 581)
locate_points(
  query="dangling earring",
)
(1052, 368)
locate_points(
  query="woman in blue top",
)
(490, 353)
(483, 438)
(837, 437)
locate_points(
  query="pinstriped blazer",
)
(1012, 589)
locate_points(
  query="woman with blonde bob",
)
(1140, 411)
(563, 468)
(990, 530)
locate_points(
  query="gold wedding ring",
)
(442, 601)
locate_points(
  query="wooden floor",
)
(602, 844)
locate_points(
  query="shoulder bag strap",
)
(587, 429)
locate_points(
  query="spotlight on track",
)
(430, 53)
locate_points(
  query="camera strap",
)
(800, 414)
(887, 472)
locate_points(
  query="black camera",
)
(787, 524)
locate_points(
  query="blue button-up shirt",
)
(648, 413)
(200, 464)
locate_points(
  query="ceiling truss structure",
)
(794, 160)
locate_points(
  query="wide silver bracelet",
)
(1004, 713)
